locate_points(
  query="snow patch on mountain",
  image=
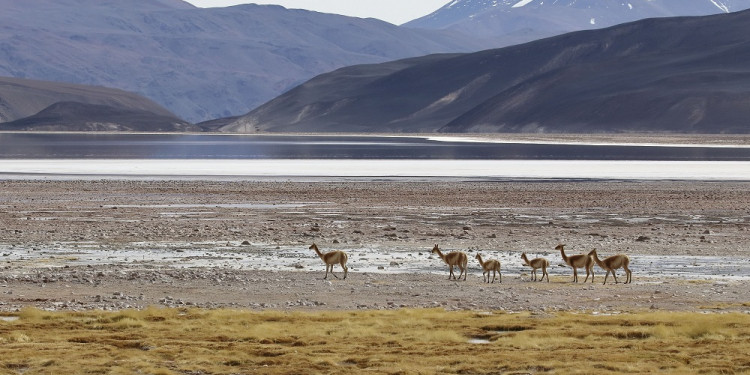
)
(721, 6)
(522, 3)
(525, 20)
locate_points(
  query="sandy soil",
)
(218, 241)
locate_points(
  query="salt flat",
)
(466, 169)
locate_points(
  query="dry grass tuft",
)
(194, 341)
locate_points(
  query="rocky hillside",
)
(659, 75)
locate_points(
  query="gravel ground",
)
(245, 244)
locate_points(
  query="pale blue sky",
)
(393, 11)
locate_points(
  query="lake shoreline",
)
(618, 138)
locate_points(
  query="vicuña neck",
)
(596, 259)
(440, 254)
(565, 257)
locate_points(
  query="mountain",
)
(41, 105)
(76, 116)
(199, 63)
(526, 20)
(685, 74)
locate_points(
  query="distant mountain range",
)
(218, 64)
(526, 20)
(42, 105)
(199, 63)
(683, 74)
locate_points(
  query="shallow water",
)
(225, 146)
(375, 259)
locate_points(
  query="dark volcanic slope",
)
(41, 105)
(74, 116)
(199, 63)
(673, 74)
(21, 98)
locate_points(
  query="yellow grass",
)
(194, 341)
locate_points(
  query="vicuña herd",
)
(460, 259)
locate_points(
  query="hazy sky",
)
(393, 11)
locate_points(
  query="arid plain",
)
(111, 244)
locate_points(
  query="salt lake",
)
(75, 155)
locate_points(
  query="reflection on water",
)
(205, 146)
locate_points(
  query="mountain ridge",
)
(533, 19)
(42, 105)
(200, 63)
(684, 74)
(87, 117)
